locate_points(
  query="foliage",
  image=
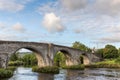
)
(110, 51)
(15, 63)
(48, 69)
(14, 57)
(75, 67)
(29, 60)
(4, 73)
(111, 63)
(82, 47)
(117, 60)
(12, 68)
(119, 51)
(59, 59)
(100, 52)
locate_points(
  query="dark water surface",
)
(22, 73)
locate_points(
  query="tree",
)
(110, 51)
(14, 57)
(82, 47)
(119, 51)
(99, 52)
(59, 59)
(29, 60)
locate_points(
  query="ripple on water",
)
(87, 74)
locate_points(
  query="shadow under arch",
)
(38, 54)
(66, 58)
(84, 59)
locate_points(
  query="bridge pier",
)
(3, 60)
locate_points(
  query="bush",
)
(4, 73)
(15, 63)
(29, 60)
(48, 69)
(105, 64)
(117, 60)
(75, 67)
(12, 68)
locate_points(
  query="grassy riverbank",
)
(48, 69)
(7, 73)
(109, 63)
(74, 67)
(55, 69)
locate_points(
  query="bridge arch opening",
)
(84, 59)
(29, 56)
(62, 58)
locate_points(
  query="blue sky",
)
(92, 22)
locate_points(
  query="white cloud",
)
(18, 27)
(53, 23)
(107, 7)
(2, 25)
(10, 5)
(13, 5)
(74, 5)
(113, 29)
(110, 39)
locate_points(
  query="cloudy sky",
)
(92, 22)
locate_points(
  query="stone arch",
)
(38, 54)
(85, 59)
(68, 57)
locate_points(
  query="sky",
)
(94, 23)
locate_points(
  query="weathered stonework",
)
(45, 52)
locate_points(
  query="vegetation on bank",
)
(74, 67)
(26, 60)
(109, 63)
(6, 73)
(48, 69)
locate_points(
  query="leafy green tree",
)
(14, 57)
(110, 51)
(99, 52)
(59, 59)
(119, 51)
(29, 60)
(82, 47)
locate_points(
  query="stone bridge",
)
(44, 52)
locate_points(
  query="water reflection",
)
(88, 74)
(61, 76)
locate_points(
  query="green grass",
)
(109, 63)
(74, 67)
(48, 69)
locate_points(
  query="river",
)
(22, 73)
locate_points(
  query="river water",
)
(22, 73)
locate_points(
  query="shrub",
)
(29, 60)
(12, 68)
(117, 60)
(48, 69)
(105, 64)
(4, 73)
(15, 63)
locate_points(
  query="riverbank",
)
(109, 63)
(7, 73)
(55, 69)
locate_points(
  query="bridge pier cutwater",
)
(44, 52)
